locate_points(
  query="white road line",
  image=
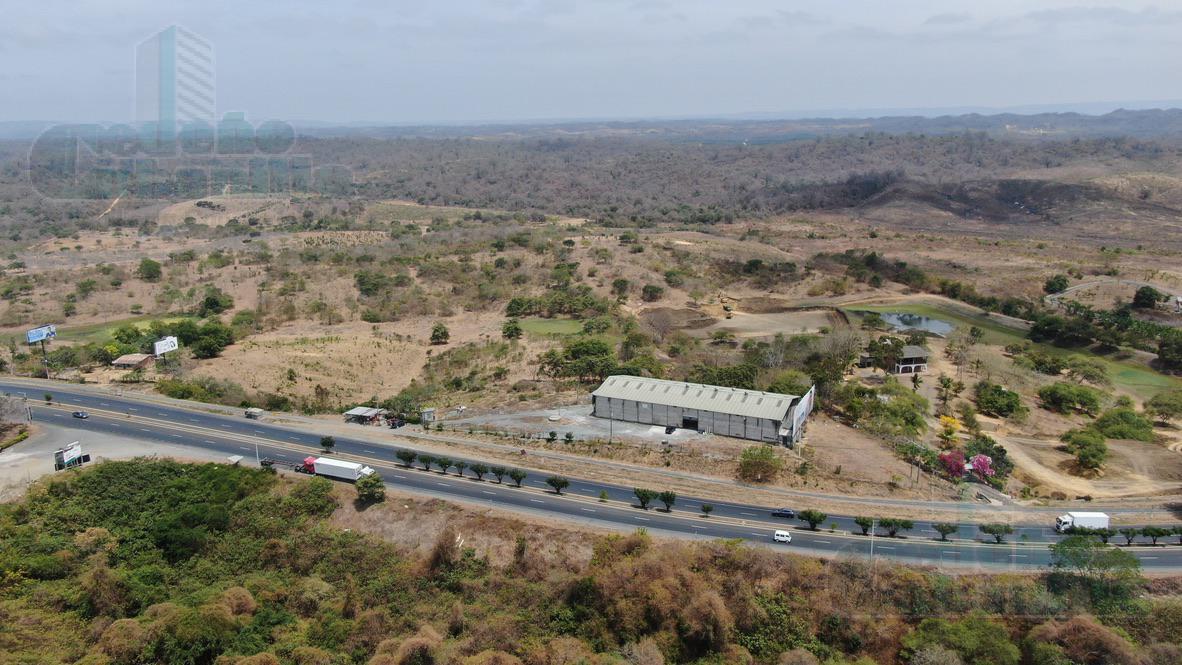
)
(176, 436)
(399, 477)
(488, 492)
(761, 535)
(368, 451)
(1149, 557)
(145, 430)
(751, 514)
(294, 438)
(822, 541)
(885, 547)
(103, 404)
(209, 442)
(588, 510)
(950, 553)
(132, 408)
(1021, 555)
(443, 484)
(537, 501)
(243, 448)
(642, 519)
(193, 420)
(259, 431)
(162, 415)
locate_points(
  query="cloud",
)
(948, 19)
(1148, 17)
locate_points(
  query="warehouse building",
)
(745, 414)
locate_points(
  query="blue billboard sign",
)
(40, 334)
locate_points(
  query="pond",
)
(901, 321)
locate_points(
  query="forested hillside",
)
(154, 561)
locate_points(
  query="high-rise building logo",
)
(177, 145)
(175, 84)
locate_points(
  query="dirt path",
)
(1136, 481)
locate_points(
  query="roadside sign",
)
(165, 345)
(71, 455)
(43, 333)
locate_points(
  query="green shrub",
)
(993, 399)
(1063, 397)
(1124, 423)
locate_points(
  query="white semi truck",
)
(335, 468)
(1076, 520)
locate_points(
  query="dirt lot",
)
(356, 360)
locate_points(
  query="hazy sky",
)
(463, 60)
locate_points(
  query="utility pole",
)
(45, 358)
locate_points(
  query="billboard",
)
(38, 334)
(68, 456)
(165, 345)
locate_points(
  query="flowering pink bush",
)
(982, 466)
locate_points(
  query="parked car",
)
(782, 537)
(786, 513)
(670, 429)
(81, 414)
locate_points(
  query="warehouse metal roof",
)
(733, 401)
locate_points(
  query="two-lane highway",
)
(127, 415)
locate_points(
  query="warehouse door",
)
(689, 422)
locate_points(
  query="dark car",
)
(671, 429)
(81, 414)
(786, 513)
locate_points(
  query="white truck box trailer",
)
(335, 468)
(1082, 521)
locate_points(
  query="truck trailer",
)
(335, 468)
(1075, 520)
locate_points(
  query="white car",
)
(782, 536)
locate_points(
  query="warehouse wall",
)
(743, 427)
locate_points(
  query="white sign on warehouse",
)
(165, 345)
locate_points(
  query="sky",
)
(471, 61)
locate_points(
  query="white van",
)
(782, 537)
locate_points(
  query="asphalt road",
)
(141, 419)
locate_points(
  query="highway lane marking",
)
(162, 415)
(822, 541)
(145, 430)
(243, 448)
(294, 438)
(751, 514)
(756, 534)
(259, 431)
(642, 519)
(443, 484)
(194, 420)
(132, 408)
(176, 436)
(488, 492)
(537, 501)
(103, 404)
(950, 553)
(1021, 555)
(885, 547)
(1148, 557)
(400, 477)
(368, 451)
(586, 510)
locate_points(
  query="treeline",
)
(874, 269)
(1109, 329)
(152, 561)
